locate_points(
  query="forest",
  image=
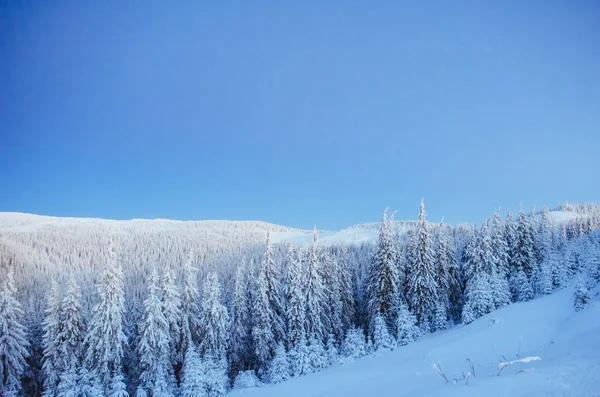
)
(197, 309)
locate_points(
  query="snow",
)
(567, 342)
(357, 234)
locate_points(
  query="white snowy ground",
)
(567, 342)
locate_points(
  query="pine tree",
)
(51, 342)
(479, 298)
(500, 269)
(295, 307)
(119, 389)
(333, 354)
(315, 294)
(68, 386)
(522, 287)
(171, 306)
(240, 343)
(279, 370)
(581, 296)
(524, 258)
(154, 343)
(214, 320)
(268, 326)
(13, 339)
(354, 345)
(422, 293)
(333, 296)
(448, 281)
(106, 337)
(215, 375)
(407, 328)
(190, 310)
(346, 291)
(382, 340)
(193, 383)
(299, 358)
(316, 354)
(383, 291)
(71, 338)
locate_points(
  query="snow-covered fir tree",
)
(581, 296)
(214, 326)
(214, 319)
(190, 309)
(105, 338)
(354, 345)
(500, 267)
(347, 298)
(153, 349)
(382, 340)
(171, 306)
(267, 312)
(279, 370)
(239, 335)
(332, 350)
(295, 308)
(315, 294)
(406, 326)
(51, 342)
(422, 291)
(13, 339)
(383, 291)
(523, 259)
(193, 382)
(333, 296)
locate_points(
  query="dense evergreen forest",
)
(97, 310)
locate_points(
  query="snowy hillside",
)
(567, 342)
(252, 230)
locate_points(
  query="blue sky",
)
(300, 114)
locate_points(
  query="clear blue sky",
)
(300, 114)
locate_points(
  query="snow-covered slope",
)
(567, 342)
(367, 232)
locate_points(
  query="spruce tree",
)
(279, 370)
(106, 337)
(171, 306)
(500, 269)
(13, 339)
(315, 294)
(346, 291)
(51, 342)
(71, 337)
(193, 382)
(153, 350)
(383, 291)
(240, 342)
(295, 305)
(190, 309)
(581, 296)
(214, 320)
(407, 328)
(422, 293)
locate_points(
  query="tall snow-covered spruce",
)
(383, 291)
(13, 339)
(423, 289)
(106, 337)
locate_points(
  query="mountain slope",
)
(567, 342)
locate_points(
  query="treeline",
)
(286, 312)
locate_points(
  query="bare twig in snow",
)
(439, 370)
(501, 366)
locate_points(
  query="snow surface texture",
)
(567, 342)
